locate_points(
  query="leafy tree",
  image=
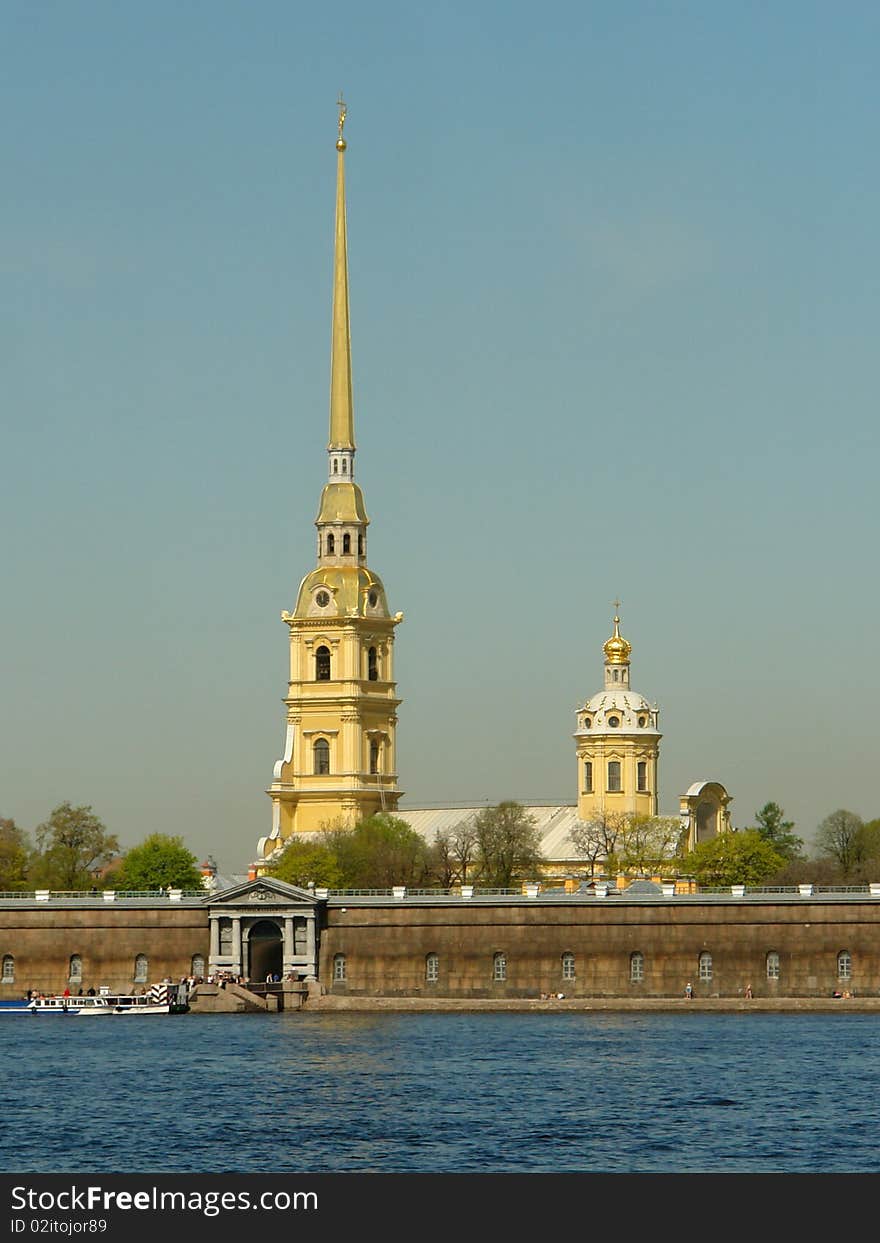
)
(308, 860)
(508, 844)
(648, 843)
(770, 822)
(744, 858)
(378, 852)
(72, 845)
(841, 837)
(158, 862)
(14, 851)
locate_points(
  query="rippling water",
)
(502, 1093)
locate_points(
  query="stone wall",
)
(107, 938)
(386, 947)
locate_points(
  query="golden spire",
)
(341, 409)
(617, 649)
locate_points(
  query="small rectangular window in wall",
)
(642, 776)
(614, 776)
(588, 777)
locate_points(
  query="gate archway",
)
(265, 950)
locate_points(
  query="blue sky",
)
(614, 294)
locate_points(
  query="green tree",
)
(508, 845)
(743, 858)
(770, 822)
(72, 846)
(158, 862)
(14, 852)
(596, 839)
(379, 852)
(648, 843)
(841, 837)
(454, 853)
(303, 861)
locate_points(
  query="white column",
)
(288, 943)
(215, 943)
(236, 944)
(311, 954)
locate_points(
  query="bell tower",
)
(618, 741)
(339, 763)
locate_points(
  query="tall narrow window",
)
(321, 754)
(360, 545)
(614, 776)
(615, 675)
(8, 969)
(636, 967)
(331, 543)
(76, 969)
(432, 969)
(372, 665)
(374, 756)
(346, 543)
(499, 967)
(568, 966)
(141, 969)
(344, 466)
(642, 776)
(338, 966)
(844, 965)
(705, 966)
(588, 776)
(772, 965)
(335, 466)
(322, 664)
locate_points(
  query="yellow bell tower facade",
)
(339, 763)
(618, 742)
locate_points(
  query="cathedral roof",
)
(354, 591)
(625, 707)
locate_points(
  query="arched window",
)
(8, 969)
(588, 776)
(197, 966)
(331, 543)
(141, 969)
(76, 969)
(335, 466)
(432, 968)
(568, 966)
(372, 665)
(636, 967)
(360, 545)
(844, 965)
(338, 966)
(345, 466)
(615, 675)
(772, 965)
(321, 754)
(642, 776)
(614, 776)
(322, 664)
(499, 967)
(346, 543)
(374, 756)
(705, 966)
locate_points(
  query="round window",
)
(373, 598)
(322, 599)
(643, 721)
(614, 721)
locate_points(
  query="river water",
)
(441, 1093)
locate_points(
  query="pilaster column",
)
(236, 944)
(311, 947)
(215, 943)
(288, 943)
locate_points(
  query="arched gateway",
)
(264, 927)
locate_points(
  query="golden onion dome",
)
(617, 649)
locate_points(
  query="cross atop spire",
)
(341, 407)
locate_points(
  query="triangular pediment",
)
(264, 890)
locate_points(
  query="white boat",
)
(141, 1006)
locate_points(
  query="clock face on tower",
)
(322, 599)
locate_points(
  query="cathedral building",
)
(339, 763)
